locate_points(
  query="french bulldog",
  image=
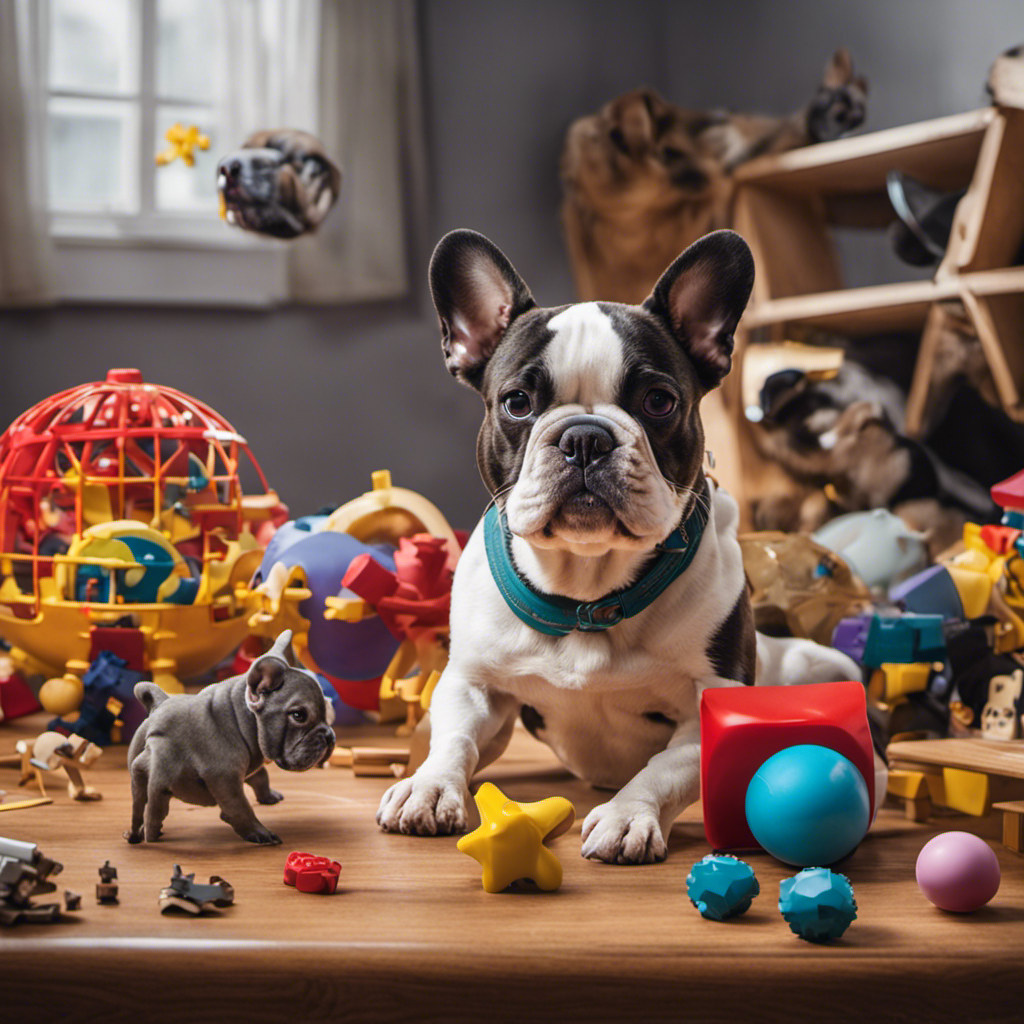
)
(280, 183)
(201, 748)
(593, 450)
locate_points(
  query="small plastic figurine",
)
(52, 751)
(185, 893)
(106, 887)
(509, 844)
(202, 748)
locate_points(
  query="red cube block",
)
(742, 726)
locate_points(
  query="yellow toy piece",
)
(386, 514)
(897, 680)
(509, 844)
(277, 602)
(62, 695)
(966, 791)
(974, 588)
(182, 142)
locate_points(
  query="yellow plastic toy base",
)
(509, 844)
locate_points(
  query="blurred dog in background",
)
(280, 183)
(643, 178)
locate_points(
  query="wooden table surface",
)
(412, 936)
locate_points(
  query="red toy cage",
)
(125, 450)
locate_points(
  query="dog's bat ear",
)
(266, 673)
(701, 298)
(477, 294)
(149, 694)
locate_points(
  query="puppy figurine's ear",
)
(266, 673)
(477, 294)
(701, 298)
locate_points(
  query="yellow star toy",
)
(509, 844)
(183, 142)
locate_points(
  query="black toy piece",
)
(185, 893)
(106, 887)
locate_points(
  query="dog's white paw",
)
(424, 805)
(619, 833)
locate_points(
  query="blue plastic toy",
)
(346, 650)
(720, 886)
(108, 676)
(818, 904)
(808, 805)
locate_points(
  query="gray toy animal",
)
(201, 748)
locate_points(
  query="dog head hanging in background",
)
(279, 183)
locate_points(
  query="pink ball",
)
(958, 871)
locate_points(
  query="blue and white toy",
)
(808, 805)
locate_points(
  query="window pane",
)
(91, 146)
(188, 50)
(179, 187)
(91, 45)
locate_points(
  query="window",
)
(119, 73)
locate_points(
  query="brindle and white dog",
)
(593, 448)
(643, 178)
(280, 183)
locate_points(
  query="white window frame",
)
(148, 256)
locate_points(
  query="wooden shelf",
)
(942, 153)
(885, 307)
(786, 206)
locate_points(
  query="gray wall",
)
(327, 395)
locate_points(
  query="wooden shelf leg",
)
(1013, 831)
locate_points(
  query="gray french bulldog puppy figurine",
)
(201, 748)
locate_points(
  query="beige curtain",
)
(347, 71)
(26, 255)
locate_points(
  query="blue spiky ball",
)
(818, 904)
(720, 886)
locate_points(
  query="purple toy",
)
(343, 650)
(957, 871)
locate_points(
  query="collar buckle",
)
(596, 616)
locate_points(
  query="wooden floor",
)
(413, 936)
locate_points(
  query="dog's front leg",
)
(470, 725)
(632, 826)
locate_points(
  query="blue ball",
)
(721, 886)
(818, 904)
(808, 805)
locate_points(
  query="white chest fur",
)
(596, 691)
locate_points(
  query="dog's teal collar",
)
(560, 616)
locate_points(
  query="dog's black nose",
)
(232, 169)
(585, 443)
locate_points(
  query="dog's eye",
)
(298, 715)
(517, 404)
(658, 402)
